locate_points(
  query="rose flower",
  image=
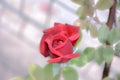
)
(58, 42)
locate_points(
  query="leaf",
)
(80, 2)
(82, 23)
(16, 78)
(36, 72)
(82, 12)
(93, 31)
(81, 61)
(118, 5)
(99, 55)
(118, 76)
(114, 35)
(108, 54)
(117, 48)
(108, 78)
(90, 53)
(104, 4)
(28, 77)
(69, 73)
(103, 34)
(83, 2)
(104, 54)
(48, 72)
(79, 23)
(56, 77)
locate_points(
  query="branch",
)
(112, 14)
(106, 70)
(111, 20)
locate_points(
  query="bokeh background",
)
(21, 25)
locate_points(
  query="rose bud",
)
(58, 42)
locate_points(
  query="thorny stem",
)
(110, 22)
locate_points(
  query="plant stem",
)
(106, 70)
(112, 15)
(60, 71)
(111, 20)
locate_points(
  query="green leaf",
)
(82, 23)
(99, 55)
(104, 54)
(118, 5)
(36, 72)
(70, 73)
(90, 53)
(48, 72)
(56, 77)
(108, 78)
(118, 77)
(108, 54)
(81, 61)
(93, 31)
(103, 34)
(117, 48)
(80, 2)
(104, 4)
(16, 78)
(82, 12)
(28, 77)
(114, 35)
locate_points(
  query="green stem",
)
(60, 71)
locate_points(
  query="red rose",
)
(58, 42)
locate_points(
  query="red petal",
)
(72, 29)
(72, 56)
(49, 42)
(74, 38)
(43, 46)
(66, 49)
(56, 29)
(55, 60)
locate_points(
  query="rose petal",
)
(72, 29)
(55, 60)
(66, 49)
(63, 59)
(43, 46)
(56, 29)
(49, 42)
(72, 56)
(74, 38)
